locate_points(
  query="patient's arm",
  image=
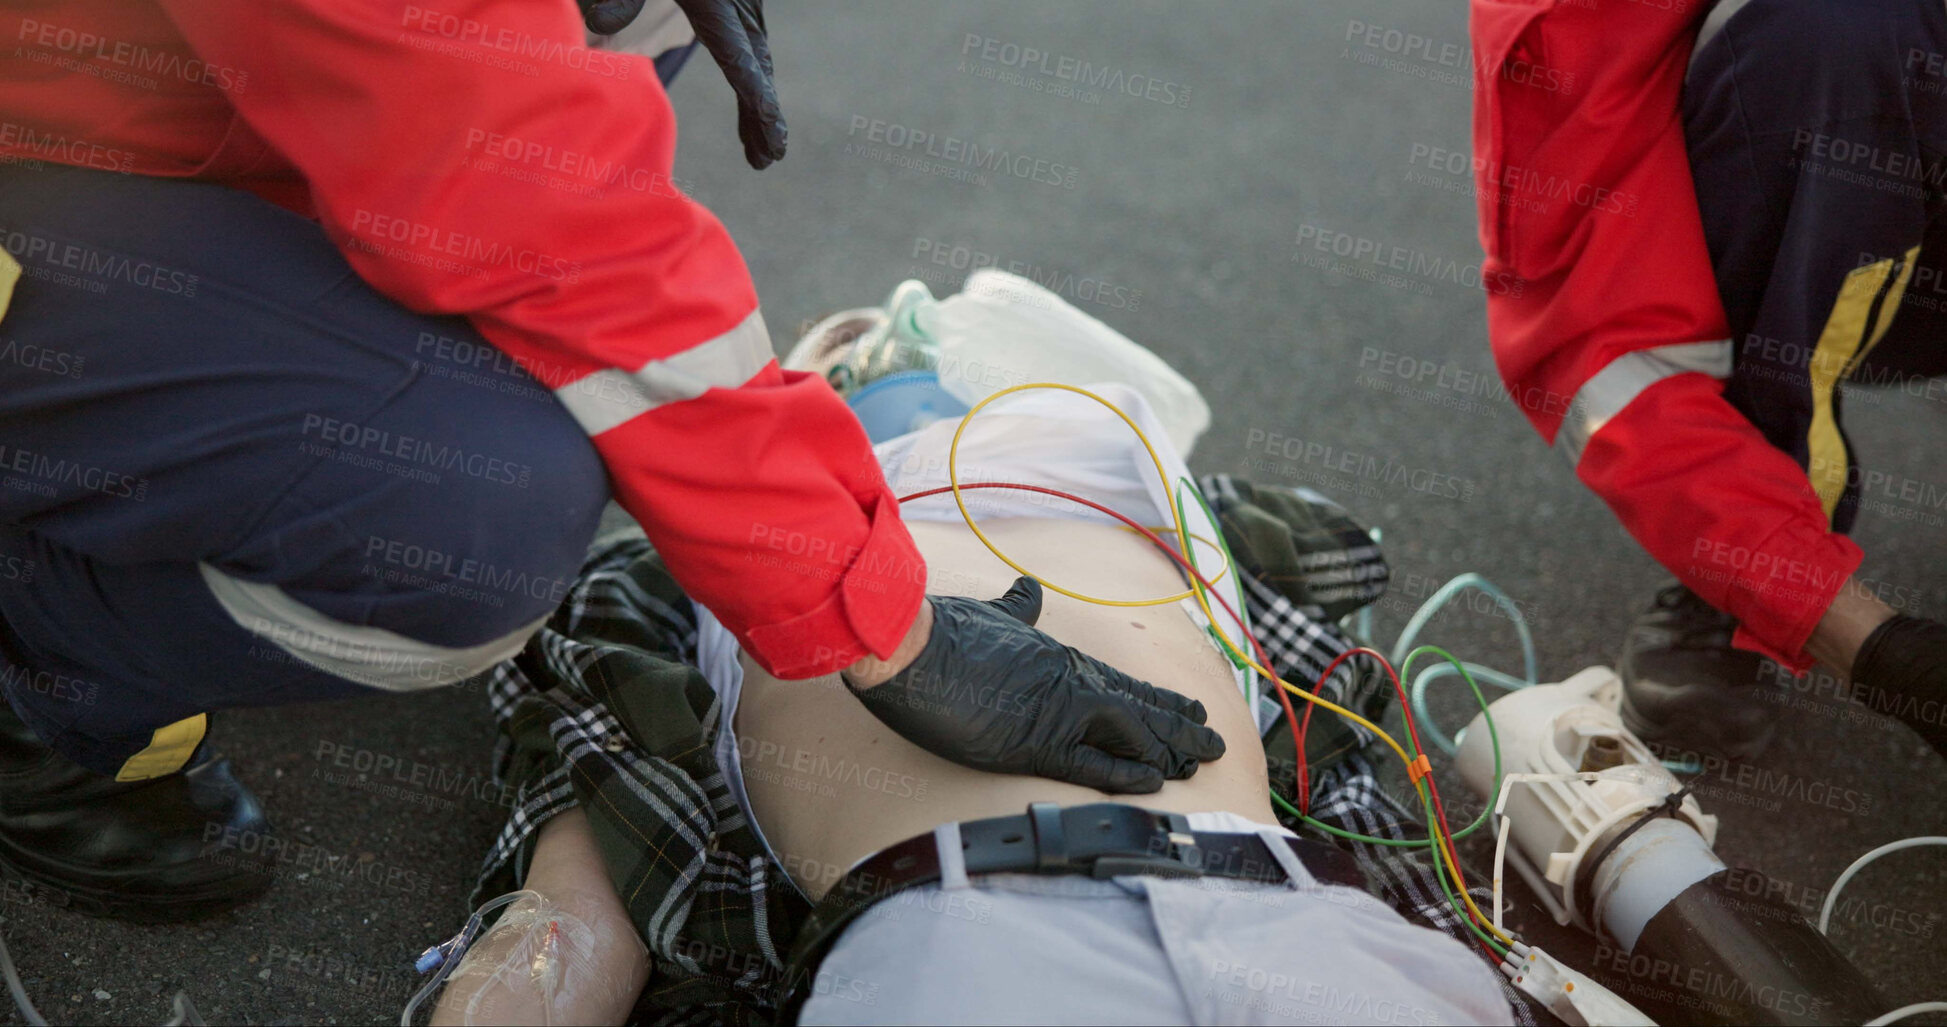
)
(830, 784)
(589, 972)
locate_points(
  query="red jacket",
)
(1614, 343)
(471, 157)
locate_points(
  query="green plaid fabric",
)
(1299, 543)
(606, 710)
(1306, 565)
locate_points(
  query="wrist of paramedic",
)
(872, 671)
(1845, 626)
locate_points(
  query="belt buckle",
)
(1173, 853)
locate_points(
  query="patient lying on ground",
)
(845, 806)
(828, 785)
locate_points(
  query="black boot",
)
(149, 851)
(1685, 690)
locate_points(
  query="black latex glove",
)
(733, 32)
(1905, 661)
(991, 692)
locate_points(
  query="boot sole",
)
(179, 906)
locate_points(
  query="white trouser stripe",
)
(1614, 387)
(609, 398)
(368, 656)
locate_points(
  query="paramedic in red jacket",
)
(328, 327)
(1721, 214)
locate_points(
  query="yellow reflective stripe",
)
(9, 274)
(1842, 340)
(168, 750)
(1883, 317)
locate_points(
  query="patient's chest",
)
(829, 784)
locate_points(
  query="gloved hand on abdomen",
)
(991, 692)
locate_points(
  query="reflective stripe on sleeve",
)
(606, 399)
(1616, 386)
(369, 656)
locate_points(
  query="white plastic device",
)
(1583, 777)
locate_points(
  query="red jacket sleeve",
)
(473, 158)
(1604, 314)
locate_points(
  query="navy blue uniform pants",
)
(232, 474)
(1817, 132)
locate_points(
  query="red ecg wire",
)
(1419, 751)
(1300, 777)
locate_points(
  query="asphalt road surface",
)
(1187, 212)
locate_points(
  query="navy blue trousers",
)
(1817, 132)
(232, 474)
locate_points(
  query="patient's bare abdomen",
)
(831, 785)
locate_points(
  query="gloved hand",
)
(1906, 659)
(733, 32)
(990, 692)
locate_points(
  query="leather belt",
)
(1100, 840)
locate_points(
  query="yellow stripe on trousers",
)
(9, 275)
(1851, 332)
(168, 749)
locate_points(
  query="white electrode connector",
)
(1569, 993)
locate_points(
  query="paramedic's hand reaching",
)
(990, 692)
(1906, 659)
(733, 32)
